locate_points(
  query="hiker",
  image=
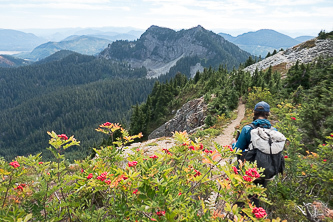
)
(261, 112)
(267, 153)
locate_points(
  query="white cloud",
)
(176, 14)
(66, 5)
(293, 2)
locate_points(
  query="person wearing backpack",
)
(261, 142)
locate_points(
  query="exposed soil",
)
(227, 135)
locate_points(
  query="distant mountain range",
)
(87, 45)
(263, 41)
(92, 41)
(160, 49)
(60, 34)
(12, 40)
(85, 41)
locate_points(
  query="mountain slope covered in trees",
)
(7, 61)
(73, 94)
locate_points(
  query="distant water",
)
(10, 52)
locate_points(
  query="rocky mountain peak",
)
(156, 30)
(159, 49)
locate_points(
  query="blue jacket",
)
(245, 136)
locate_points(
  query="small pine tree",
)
(268, 55)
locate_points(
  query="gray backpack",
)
(266, 148)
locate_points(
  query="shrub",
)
(182, 183)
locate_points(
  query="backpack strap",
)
(252, 125)
(270, 142)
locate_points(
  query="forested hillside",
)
(8, 61)
(73, 94)
(309, 84)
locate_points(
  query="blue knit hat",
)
(262, 106)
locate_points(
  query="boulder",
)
(190, 117)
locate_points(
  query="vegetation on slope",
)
(179, 184)
(72, 94)
(219, 87)
(302, 110)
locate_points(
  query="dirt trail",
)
(156, 145)
(226, 136)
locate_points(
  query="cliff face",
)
(189, 118)
(159, 49)
(305, 53)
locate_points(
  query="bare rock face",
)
(305, 52)
(191, 116)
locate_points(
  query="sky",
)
(291, 17)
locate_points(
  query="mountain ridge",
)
(305, 52)
(13, 40)
(159, 49)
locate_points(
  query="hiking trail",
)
(226, 136)
(156, 145)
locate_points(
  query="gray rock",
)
(190, 117)
(305, 53)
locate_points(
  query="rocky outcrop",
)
(305, 53)
(189, 118)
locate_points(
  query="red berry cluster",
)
(90, 176)
(14, 164)
(197, 173)
(102, 177)
(252, 172)
(20, 187)
(153, 157)
(133, 163)
(259, 212)
(166, 151)
(191, 147)
(107, 124)
(63, 136)
(235, 169)
(160, 213)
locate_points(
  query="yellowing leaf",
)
(216, 155)
(206, 161)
